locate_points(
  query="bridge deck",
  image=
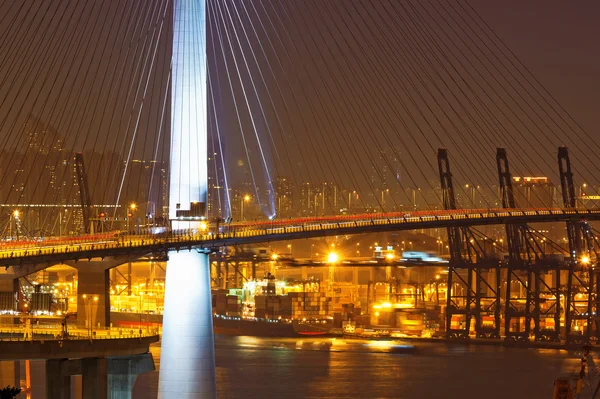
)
(36, 253)
(78, 348)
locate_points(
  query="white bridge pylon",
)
(187, 366)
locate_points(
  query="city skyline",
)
(328, 143)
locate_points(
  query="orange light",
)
(585, 260)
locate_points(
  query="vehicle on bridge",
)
(421, 257)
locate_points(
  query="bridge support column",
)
(58, 381)
(7, 283)
(9, 373)
(187, 364)
(123, 371)
(9, 288)
(94, 378)
(9, 369)
(93, 284)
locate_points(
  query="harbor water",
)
(251, 367)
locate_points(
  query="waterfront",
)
(324, 368)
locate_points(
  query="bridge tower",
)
(531, 276)
(473, 277)
(582, 281)
(187, 368)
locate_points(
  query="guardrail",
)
(20, 332)
(184, 237)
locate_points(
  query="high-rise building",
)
(534, 192)
(306, 199)
(284, 197)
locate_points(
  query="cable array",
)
(346, 101)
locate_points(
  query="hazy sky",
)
(558, 41)
(339, 82)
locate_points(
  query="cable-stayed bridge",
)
(31, 253)
(186, 111)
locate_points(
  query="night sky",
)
(353, 93)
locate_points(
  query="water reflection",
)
(335, 368)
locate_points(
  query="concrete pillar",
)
(187, 362)
(93, 284)
(94, 377)
(10, 373)
(123, 371)
(38, 377)
(58, 383)
(355, 275)
(9, 286)
(7, 283)
(76, 387)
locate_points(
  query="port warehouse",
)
(411, 299)
(352, 297)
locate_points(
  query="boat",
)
(583, 384)
(234, 325)
(260, 327)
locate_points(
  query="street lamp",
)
(350, 194)
(140, 310)
(132, 208)
(383, 192)
(585, 260)
(290, 249)
(332, 258)
(245, 198)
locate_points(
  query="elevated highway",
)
(208, 239)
